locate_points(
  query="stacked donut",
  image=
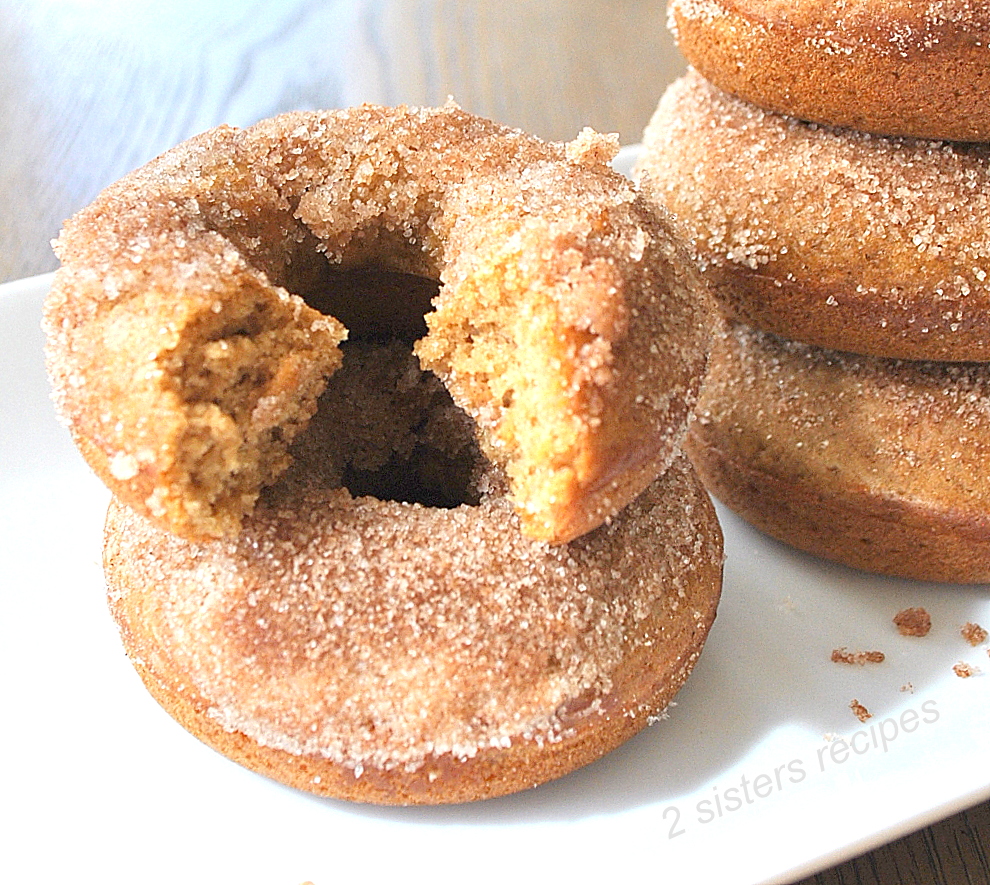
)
(831, 169)
(391, 402)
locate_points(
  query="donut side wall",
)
(830, 236)
(872, 462)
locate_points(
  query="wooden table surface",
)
(89, 91)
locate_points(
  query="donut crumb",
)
(974, 634)
(844, 656)
(861, 713)
(913, 622)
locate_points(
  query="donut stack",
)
(831, 171)
(391, 402)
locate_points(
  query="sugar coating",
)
(190, 309)
(832, 236)
(380, 635)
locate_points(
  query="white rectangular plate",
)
(761, 772)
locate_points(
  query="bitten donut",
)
(827, 236)
(201, 300)
(892, 67)
(878, 464)
(399, 654)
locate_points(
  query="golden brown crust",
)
(828, 236)
(910, 68)
(874, 463)
(398, 654)
(557, 277)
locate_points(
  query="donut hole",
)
(385, 427)
(375, 303)
(425, 448)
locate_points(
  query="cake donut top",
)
(202, 299)
(894, 27)
(893, 67)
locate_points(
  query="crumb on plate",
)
(974, 634)
(913, 622)
(862, 714)
(964, 670)
(844, 656)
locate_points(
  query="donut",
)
(891, 67)
(827, 236)
(878, 464)
(201, 301)
(395, 653)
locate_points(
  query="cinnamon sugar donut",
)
(893, 67)
(399, 654)
(201, 300)
(828, 236)
(878, 464)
